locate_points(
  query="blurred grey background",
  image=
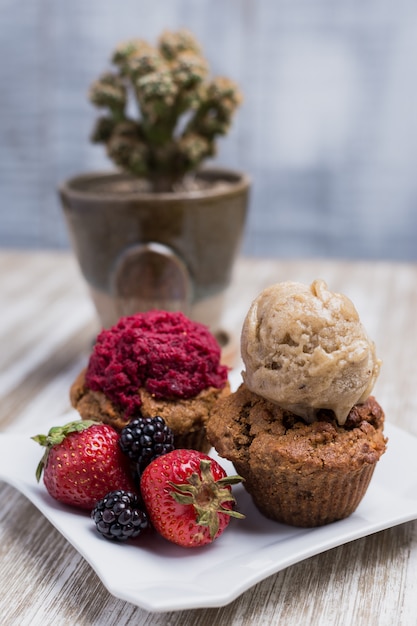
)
(327, 131)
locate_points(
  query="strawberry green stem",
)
(55, 436)
(207, 496)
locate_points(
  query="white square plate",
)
(159, 576)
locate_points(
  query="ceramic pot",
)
(142, 250)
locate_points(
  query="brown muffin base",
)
(308, 501)
(196, 440)
(297, 473)
(187, 418)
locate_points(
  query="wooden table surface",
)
(47, 324)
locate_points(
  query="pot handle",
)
(150, 276)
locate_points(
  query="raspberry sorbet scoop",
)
(166, 353)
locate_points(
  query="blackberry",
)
(144, 439)
(119, 516)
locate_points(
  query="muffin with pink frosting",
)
(154, 363)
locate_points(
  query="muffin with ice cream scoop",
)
(303, 429)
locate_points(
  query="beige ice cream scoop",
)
(305, 348)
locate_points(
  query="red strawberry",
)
(188, 497)
(82, 463)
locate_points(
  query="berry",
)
(83, 462)
(188, 497)
(144, 439)
(119, 516)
